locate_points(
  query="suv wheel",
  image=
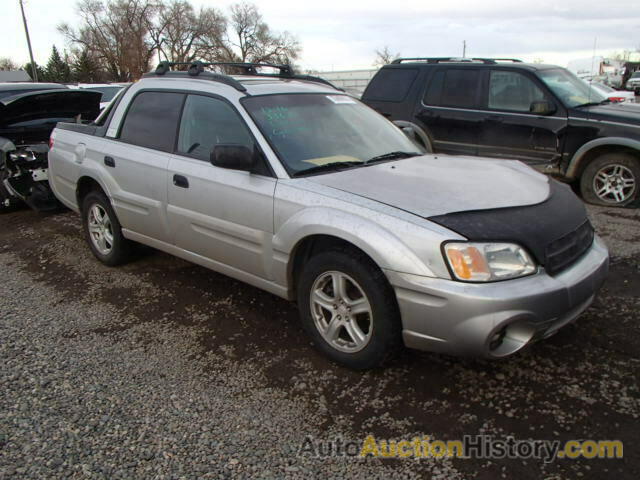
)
(611, 179)
(102, 230)
(349, 309)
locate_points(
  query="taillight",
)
(50, 142)
(616, 99)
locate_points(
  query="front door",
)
(221, 214)
(509, 130)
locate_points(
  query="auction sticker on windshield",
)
(338, 99)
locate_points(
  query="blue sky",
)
(338, 35)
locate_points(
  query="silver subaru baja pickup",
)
(290, 185)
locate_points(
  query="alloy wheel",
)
(341, 312)
(100, 229)
(614, 183)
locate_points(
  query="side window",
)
(207, 122)
(455, 87)
(391, 84)
(512, 91)
(152, 120)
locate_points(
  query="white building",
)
(352, 81)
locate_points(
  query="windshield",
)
(570, 89)
(312, 130)
(107, 92)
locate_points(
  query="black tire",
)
(120, 248)
(630, 165)
(385, 339)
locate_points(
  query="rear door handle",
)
(180, 181)
(109, 162)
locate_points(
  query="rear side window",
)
(391, 84)
(454, 88)
(152, 120)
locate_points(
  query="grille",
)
(563, 252)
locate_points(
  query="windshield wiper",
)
(392, 156)
(327, 167)
(593, 104)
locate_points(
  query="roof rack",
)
(197, 69)
(486, 61)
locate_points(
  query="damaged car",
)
(26, 122)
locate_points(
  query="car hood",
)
(615, 112)
(43, 104)
(438, 184)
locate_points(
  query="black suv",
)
(540, 114)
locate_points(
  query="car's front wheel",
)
(611, 179)
(102, 230)
(349, 309)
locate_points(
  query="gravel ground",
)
(161, 369)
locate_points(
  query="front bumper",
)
(495, 319)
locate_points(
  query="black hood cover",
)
(43, 104)
(556, 232)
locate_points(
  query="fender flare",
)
(576, 161)
(96, 180)
(386, 249)
(424, 138)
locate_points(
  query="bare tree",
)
(7, 64)
(117, 33)
(183, 35)
(249, 38)
(384, 57)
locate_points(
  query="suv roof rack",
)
(197, 69)
(486, 61)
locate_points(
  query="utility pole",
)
(464, 49)
(34, 71)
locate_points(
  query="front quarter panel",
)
(394, 239)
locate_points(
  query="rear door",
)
(224, 215)
(135, 165)
(449, 110)
(509, 130)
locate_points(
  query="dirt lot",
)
(162, 369)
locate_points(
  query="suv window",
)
(391, 84)
(512, 91)
(207, 122)
(152, 120)
(456, 87)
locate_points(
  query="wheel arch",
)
(313, 229)
(86, 184)
(595, 148)
(425, 138)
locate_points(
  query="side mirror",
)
(233, 157)
(542, 107)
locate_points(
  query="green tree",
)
(39, 69)
(57, 69)
(85, 69)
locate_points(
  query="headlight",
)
(488, 262)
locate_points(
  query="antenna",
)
(593, 59)
(464, 48)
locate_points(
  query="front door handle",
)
(180, 181)
(109, 162)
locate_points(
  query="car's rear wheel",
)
(349, 309)
(611, 179)
(102, 230)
